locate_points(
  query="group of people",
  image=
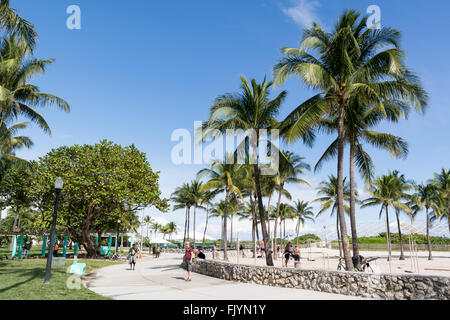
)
(290, 251)
(134, 252)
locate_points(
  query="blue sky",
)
(137, 71)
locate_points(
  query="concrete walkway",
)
(163, 279)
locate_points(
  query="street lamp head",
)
(119, 221)
(59, 183)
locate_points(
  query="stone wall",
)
(375, 286)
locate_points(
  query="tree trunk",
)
(206, 225)
(352, 206)
(430, 257)
(185, 226)
(225, 218)
(338, 235)
(252, 206)
(231, 231)
(267, 246)
(195, 216)
(277, 214)
(388, 234)
(397, 213)
(340, 196)
(188, 224)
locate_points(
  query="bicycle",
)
(364, 265)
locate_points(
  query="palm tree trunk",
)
(185, 226)
(340, 195)
(206, 225)
(402, 255)
(388, 234)
(430, 257)
(225, 218)
(277, 214)
(267, 246)
(231, 231)
(352, 204)
(195, 216)
(252, 205)
(188, 222)
(338, 235)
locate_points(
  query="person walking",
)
(263, 249)
(287, 253)
(296, 256)
(214, 250)
(55, 249)
(188, 260)
(132, 257)
(158, 251)
(26, 249)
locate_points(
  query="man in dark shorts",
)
(188, 260)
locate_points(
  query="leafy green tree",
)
(351, 61)
(102, 183)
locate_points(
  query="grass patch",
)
(24, 280)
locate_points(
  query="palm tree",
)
(328, 190)
(171, 228)
(442, 182)
(249, 110)
(148, 222)
(197, 190)
(400, 186)
(290, 167)
(182, 197)
(223, 177)
(18, 96)
(15, 25)
(385, 192)
(303, 212)
(287, 212)
(427, 196)
(207, 200)
(359, 119)
(352, 61)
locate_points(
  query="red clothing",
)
(188, 253)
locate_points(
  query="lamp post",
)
(59, 183)
(117, 242)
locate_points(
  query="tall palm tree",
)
(171, 228)
(207, 202)
(251, 109)
(328, 192)
(303, 212)
(148, 222)
(223, 177)
(15, 25)
(400, 186)
(350, 61)
(290, 168)
(198, 193)
(19, 97)
(182, 197)
(384, 192)
(358, 121)
(427, 196)
(287, 212)
(442, 182)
